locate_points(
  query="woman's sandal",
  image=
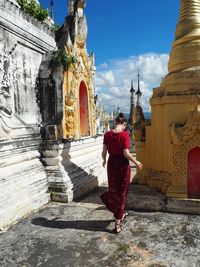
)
(118, 228)
(124, 216)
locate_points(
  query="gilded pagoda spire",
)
(186, 47)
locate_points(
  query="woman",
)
(117, 143)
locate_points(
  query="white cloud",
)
(113, 79)
(104, 65)
(105, 78)
(106, 97)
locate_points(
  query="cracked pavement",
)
(81, 234)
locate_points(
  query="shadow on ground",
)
(93, 225)
(93, 197)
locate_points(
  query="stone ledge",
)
(13, 7)
(26, 28)
(143, 198)
(182, 205)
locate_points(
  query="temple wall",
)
(157, 151)
(43, 155)
(23, 180)
(172, 141)
(165, 111)
(73, 168)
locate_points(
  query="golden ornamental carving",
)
(72, 36)
(157, 179)
(70, 115)
(184, 138)
(179, 134)
(139, 124)
(179, 175)
(73, 88)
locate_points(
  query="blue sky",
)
(123, 36)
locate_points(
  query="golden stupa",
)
(170, 150)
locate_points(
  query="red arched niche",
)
(84, 112)
(194, 173)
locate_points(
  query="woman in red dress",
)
(117, 144)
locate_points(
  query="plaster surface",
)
(81, 234)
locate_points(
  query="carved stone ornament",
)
(155, 179)
(179, 134)
(69, 115)
(82, 29)
(5, 97)
(81, 23)
(139, 124)
(184, 138)
(1, 34)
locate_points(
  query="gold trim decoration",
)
(184, 138)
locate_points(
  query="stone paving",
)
(81, 234)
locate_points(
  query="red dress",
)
(118, 170)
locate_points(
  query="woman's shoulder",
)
(108, 133)
(125, 133)
(111, 133)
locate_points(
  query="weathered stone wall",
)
(30, 85)
(70, 151)
(73, 168)
(23, 181)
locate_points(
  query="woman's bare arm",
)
(103, 154)
(128, 156)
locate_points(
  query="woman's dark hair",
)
(120, 118)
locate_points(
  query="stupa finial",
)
(186, 47)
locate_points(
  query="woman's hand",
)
(128, 156)
(104, 163)
(131, 179)
(139, 165)
(103, 154)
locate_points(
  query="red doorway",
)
(84, 113)
(194, 173)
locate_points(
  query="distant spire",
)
(132, 106)
(132, 89)
(138, 93)
(52, 10)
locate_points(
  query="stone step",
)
(143, 198)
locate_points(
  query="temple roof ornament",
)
(179, 134)
(138, 92)
(132, 106)
(132, 89)
(71, 7)
(52, 10)
(74, 5)
(74, 30)
(186, 47)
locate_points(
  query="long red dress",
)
(118, 170)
